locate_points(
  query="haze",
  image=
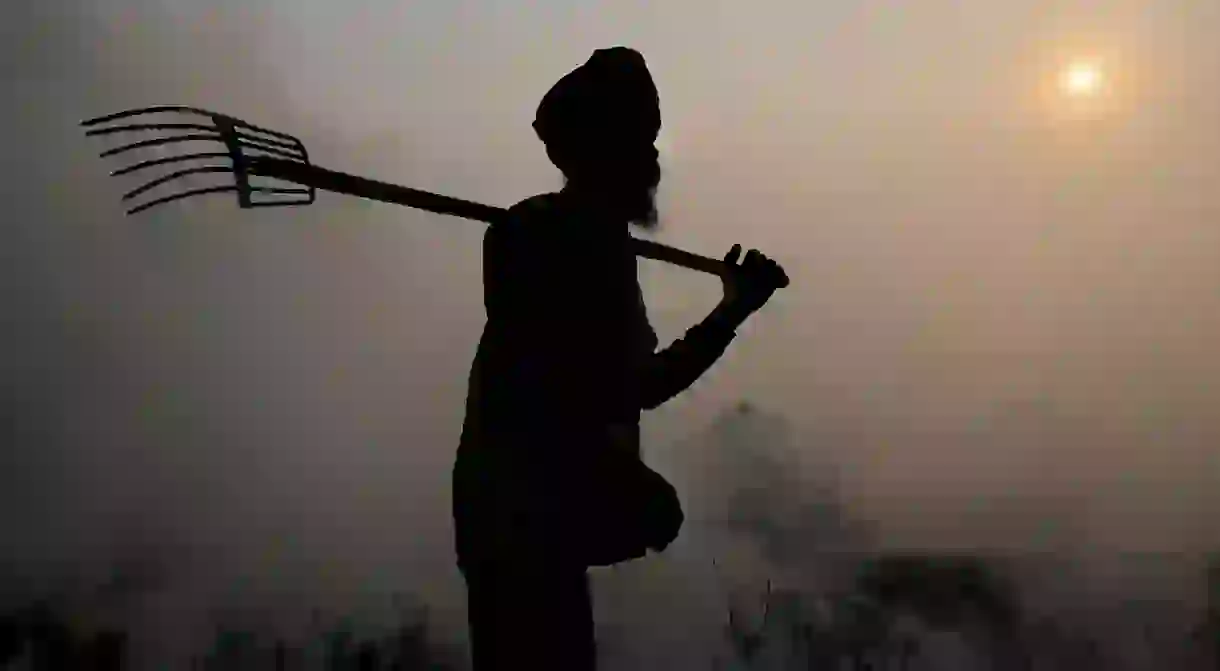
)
(1003, 314)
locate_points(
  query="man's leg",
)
(530, 619)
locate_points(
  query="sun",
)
(1082, 79)
(1086, 82)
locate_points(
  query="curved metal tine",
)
(229, 189)
(183, 109)
(128, 128)
(180, 196)
(175, 175)
(155, 109)
(194, 137)
(244, 131)
(169, 159)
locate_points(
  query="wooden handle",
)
(338, 182)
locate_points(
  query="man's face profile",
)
(635, 175)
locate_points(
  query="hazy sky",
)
(1002, 313)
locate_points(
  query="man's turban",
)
(609, 99)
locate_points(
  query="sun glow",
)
(1085, 85)
(1082, 79)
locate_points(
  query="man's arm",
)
(676, 368)
(747, 287)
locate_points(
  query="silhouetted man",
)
(548, 481)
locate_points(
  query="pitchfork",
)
(251, 152)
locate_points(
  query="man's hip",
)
(591, 513)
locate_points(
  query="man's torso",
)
(554, 384)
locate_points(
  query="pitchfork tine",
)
(193, 137)
(180, 196)
(149, 126)
(217, 189)
(157, 109)
(175, 175)
(169, 159)
(143, 110)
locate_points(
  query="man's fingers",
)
(781, 277)
(757, 265)
(763, 266)
(778, 276)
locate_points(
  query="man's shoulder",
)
(530, 220)
(534, 210)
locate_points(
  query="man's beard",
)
(646, 216)
(637, 205)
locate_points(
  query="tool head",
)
(233, 144)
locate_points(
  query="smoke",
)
(773, 525)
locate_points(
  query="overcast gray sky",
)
(1003, 313)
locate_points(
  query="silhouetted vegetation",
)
(880, 621)
(410, 645)
(861, 627)
(43, 639)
